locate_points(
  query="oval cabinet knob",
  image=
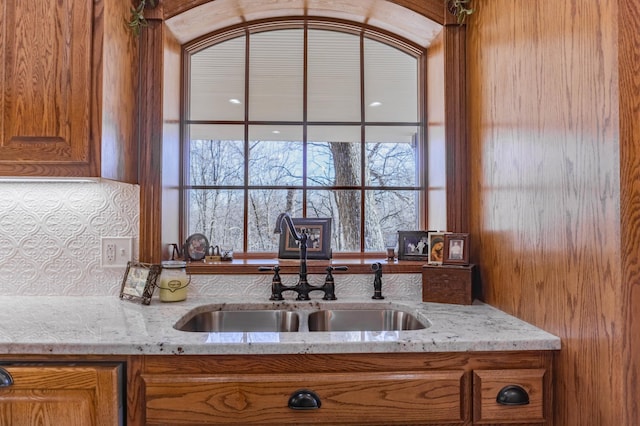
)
(5, 378)
(304, 399)
(512, 395)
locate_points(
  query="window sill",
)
(357, 265)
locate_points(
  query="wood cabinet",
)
(68, 81)
(373, 389)
(357, 389)
(61, 394)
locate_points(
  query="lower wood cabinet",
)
(356, 389)
(60, 394)
(461, 388)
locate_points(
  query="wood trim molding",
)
(356, 266)
(152, 41)
(456, 128)
(629, 90)
(435, 10)
(150, 101)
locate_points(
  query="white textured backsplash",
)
(258, 287)
(50, 236)
(50, 245)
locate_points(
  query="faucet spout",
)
(303, 284)
(303, 288)
(285, 217)
(301, 237)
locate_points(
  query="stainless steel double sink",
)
(219, 319)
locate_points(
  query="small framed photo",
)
(196, 247)
(318, 239)
(456, 249)
(436, 247)
(139, 282)
(413, 245)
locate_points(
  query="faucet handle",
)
(268, 268)
(329, 283)
(276, 282)
(330, 269)
(275, 269)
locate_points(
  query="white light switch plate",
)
(116, 251)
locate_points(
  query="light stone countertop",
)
(60, 325)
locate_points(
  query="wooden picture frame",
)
(456, 249)
(318, 242)
(436, 247)
(139, 282)
(413, 245)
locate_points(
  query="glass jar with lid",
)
(174, 281)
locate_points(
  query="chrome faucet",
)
(303, 288)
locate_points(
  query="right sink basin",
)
(363, 320)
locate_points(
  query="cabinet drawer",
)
(358, 398)
(487, 384)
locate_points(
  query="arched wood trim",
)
(433, 9)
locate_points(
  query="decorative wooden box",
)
(449, 284)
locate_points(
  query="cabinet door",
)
(68, 89)
(45, 87)
(61, 395)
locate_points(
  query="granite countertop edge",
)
(104, 325)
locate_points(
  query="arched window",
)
(315, 118)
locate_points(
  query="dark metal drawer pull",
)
(304, 399)
(512, 395)
(5, 378)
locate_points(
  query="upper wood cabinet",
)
(68, 89)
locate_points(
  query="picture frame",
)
(436, 247)
(456, 249)
(139, 282)
(413, 245)
(196, 247)
(318, 242)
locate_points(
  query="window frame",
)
(160, 47)
(362, 31)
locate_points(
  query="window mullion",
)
(304, 118)
(363, 151)
(245, 207)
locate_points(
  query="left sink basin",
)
(241, 321)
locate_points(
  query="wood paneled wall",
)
(546, 143)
